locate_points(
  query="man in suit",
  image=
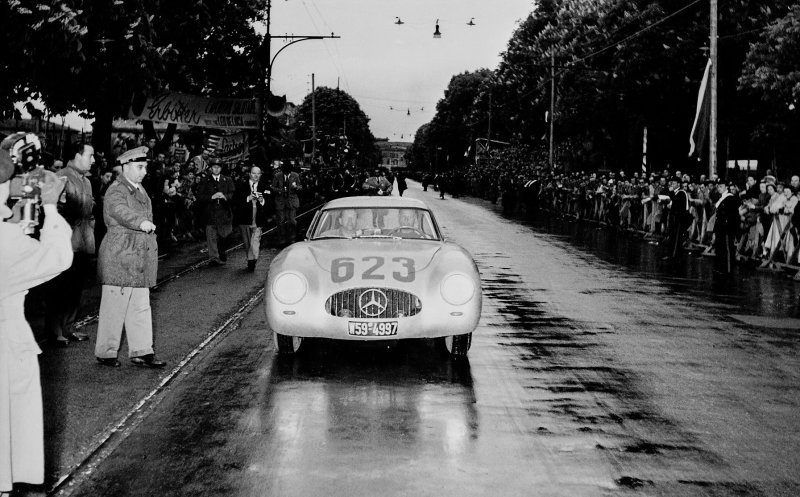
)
(680, 218)
(726, 227)
(216, 192)
(252, 208)
(285, 185)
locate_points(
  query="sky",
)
(391, 70)
(382, 64)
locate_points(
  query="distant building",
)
(392, 153)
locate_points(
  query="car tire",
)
(457, 345)
(287, 344)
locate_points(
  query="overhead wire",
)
(612, 45)
(338, 62)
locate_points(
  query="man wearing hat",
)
(726, 227)
(215, 193)
(24, 263)
(126, 265)
(680, 218)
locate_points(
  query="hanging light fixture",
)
(437, 34)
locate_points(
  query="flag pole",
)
(712, 134)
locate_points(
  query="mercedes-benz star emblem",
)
(372, 302)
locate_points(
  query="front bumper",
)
(436, 319)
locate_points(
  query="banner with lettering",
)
(179, 108)
(230, 148)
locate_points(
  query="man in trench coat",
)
(127, 264)
(24, 263)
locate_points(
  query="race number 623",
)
(344, 268)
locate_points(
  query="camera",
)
(24, 187)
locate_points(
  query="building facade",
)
(392, 153)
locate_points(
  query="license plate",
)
(372, 328)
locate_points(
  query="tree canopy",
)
(95, 56)
(623, 65)
(342, 128)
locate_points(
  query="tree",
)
(771, 73)
(342, 128)
(110, 51)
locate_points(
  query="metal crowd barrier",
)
(780, 252)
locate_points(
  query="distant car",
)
(373, 269)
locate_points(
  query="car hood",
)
(421, 251)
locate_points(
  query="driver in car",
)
(408, 225)
(407, 218)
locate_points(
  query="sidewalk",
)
(83, 400)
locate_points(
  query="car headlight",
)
(289, 288)
(457, 289)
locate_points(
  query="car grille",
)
(373, 303)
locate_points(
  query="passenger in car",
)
(364, 220)
(347, 225)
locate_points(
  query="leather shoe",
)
(148, 361)
(109, 361)
(77, 336)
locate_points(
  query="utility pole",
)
(313, 120)
(712, 134)
(489, 130)
(266, 54)
(552, 101)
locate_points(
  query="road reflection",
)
(765, 293)
(373, 410)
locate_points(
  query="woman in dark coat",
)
(401, 183)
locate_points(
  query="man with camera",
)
(24, 263)
(252, 208)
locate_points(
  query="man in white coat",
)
(24, 263)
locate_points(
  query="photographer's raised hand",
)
(52, 186)
(147, 227)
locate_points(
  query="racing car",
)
(373, 269)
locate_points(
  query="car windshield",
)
(363, 222)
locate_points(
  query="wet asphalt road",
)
(595, 370)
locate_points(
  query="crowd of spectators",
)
(769, 222)
(172, 185)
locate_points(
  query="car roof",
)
(386, 202)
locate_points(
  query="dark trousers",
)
(725, 251)
(63, 296)
(677, 234)
(287, 224)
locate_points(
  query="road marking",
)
(109, 440)
(768, 322)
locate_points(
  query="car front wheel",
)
(457, 345)
(287, 344)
